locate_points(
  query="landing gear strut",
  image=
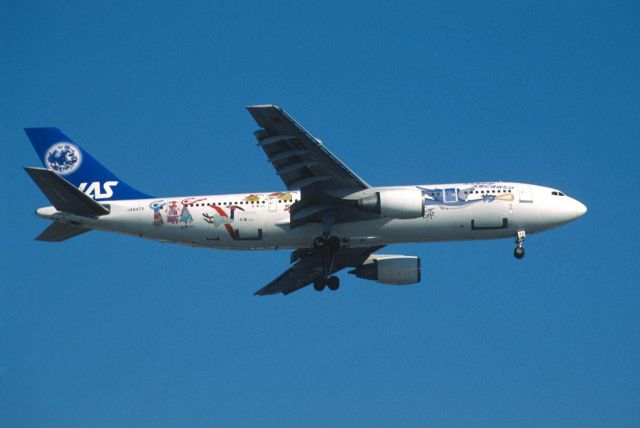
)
(518, 253)
(327, 246)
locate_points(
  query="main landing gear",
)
(332, 283)
(518, 253)
(327, 247)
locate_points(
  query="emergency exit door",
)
(525, 194)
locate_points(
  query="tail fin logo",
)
(98, 190)
(63, 158)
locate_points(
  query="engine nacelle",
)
(390, 269)
(398, 203)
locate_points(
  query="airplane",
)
(330, 217)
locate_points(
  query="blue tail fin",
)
(60, 154)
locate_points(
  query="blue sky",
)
(107, 330)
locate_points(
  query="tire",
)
(518, 253)
(333, 242)
(333, 282)
(318, 285)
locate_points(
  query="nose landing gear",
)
(518, 253)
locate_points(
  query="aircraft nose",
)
(578, 208)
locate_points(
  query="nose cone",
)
(575, 209)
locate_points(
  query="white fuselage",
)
(261, 220)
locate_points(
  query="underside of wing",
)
(304, 163)
(296, 277)
(300, 160)
(309, 267)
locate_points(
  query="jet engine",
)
(400, 203)
(390, 269)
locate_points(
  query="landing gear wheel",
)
(333, 282)
(333, 242)
(518, 253)
(318, 284)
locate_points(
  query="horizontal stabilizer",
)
(57, 232)
(64, 195)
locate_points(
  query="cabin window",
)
(450, 195)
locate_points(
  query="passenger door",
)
(524, 194)
(273, 204)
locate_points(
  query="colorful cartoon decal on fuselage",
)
(185, 214)
(178, 213)
(456, 197)
(172, 212)
(220, 217)
(282, 196)
(157, 206)
(252, 198)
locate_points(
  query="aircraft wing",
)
(309, 267)
(302, 162)
(300, 159)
